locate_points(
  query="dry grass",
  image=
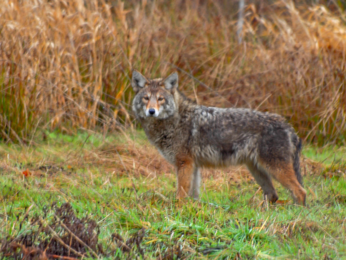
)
(66, 64)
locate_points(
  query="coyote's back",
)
(191, 136)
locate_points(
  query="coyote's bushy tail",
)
(296, 162)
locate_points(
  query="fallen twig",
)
(62, 257)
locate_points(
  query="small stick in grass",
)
(62, 257)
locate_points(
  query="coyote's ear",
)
(171, 82)
(138, 81)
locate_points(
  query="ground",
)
(88, 196)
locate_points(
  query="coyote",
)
(192, 136)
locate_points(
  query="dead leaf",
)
(26, 173)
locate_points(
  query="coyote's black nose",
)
(151, 111)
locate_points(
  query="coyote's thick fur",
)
(192, 136)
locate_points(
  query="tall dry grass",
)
(67, 64)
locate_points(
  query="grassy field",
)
(65, 67)
(118, 196)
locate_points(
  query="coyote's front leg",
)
(185, 174)
(195, 186)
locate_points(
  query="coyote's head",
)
(154, 97)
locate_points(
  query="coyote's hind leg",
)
(284, 173)
(264, 181)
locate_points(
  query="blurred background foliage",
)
(66, 65)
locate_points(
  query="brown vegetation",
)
(66, 64)
(64, 237)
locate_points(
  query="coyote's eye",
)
(160, 99)
(146, 98)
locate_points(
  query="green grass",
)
(327, 155)
(230, 221)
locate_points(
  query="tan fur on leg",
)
(284, 173)
(185, 170)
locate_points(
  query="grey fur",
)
(171, 81)
(216, 137)
(138, 81)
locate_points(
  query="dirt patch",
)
(63, 235)
(66, 236)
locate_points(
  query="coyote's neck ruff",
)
(191, 136)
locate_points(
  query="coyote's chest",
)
(163, 138)
(165, 149)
